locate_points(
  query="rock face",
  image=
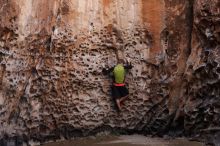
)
(52, 54)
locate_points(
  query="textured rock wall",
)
(52, 53)
(202, 93)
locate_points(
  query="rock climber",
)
(119, 89)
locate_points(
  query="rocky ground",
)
(126, 140)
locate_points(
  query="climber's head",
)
(120, 61)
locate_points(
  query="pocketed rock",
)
(52, 54)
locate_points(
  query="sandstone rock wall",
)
(52, 53)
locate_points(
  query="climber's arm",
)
(106, 71)
(128, 66)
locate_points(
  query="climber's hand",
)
(104, 71)
(129, 65)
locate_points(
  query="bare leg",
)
(123, 98)
(118, 102)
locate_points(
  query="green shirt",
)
(119, 73)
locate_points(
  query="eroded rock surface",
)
(52, 53)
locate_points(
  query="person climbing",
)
(119, 89)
